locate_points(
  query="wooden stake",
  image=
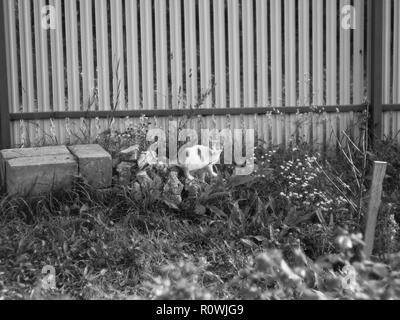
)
(374, 205)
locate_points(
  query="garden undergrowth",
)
(284, 232)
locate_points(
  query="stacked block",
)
(36, 171)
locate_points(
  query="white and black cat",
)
(199, 158)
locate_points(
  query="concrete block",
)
(37, 171)
(95, 164)
(34, 152)
(9, 154)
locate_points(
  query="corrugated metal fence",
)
(214, 61)
(391, 68)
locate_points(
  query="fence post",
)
(374, 205)
(375, 81)
(4, 98)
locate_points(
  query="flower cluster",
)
(306, 185)
(265, 159)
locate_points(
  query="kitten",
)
(198, 158)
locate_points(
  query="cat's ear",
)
(216, 152)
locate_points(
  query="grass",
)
(103, 246)
(277, 234)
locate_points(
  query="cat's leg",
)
(203, 176)
(187, 174)
(211, 171)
